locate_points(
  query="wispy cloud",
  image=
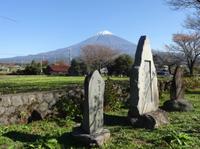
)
(8, 19)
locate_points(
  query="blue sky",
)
(34, 26)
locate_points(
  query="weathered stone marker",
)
(177, 90)
(143, 82)
(177, 86)
(93, 105)
(91, 131)
(144, 97)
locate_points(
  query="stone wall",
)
(26, 107)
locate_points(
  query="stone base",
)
(92, 140)
(177, 105)
(149, 120)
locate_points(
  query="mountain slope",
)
(105, 38)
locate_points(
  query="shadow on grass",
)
(193, 92)
(193, 131)
(22, 137)
(115, 120)
(66, 139)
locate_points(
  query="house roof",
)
(59, 67)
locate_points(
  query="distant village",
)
(77, 67)
(42, 67)
(6, 68)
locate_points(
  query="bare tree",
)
(166, 58)
(97, 56)
(178, 4)
(193, 20)
(188, 45)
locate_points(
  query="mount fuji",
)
(104, 38)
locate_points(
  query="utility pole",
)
(69, 52)
(55, 60)
(41, 65)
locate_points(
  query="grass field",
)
(182, 132)
(15, 84)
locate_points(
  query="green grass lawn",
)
(182, 132)
(16, 84)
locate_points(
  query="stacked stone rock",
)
(177, 91)
(20, 107)
(144, 97)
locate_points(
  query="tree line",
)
(111, 62)
(92, 57)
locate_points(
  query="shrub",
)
(189, 82)
(112, 100)
(192, 82)
(70, 105)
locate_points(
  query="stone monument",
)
(91, 131)
(177, 90)
(144, 96)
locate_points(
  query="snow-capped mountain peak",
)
(104, 38)
(104, 33)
